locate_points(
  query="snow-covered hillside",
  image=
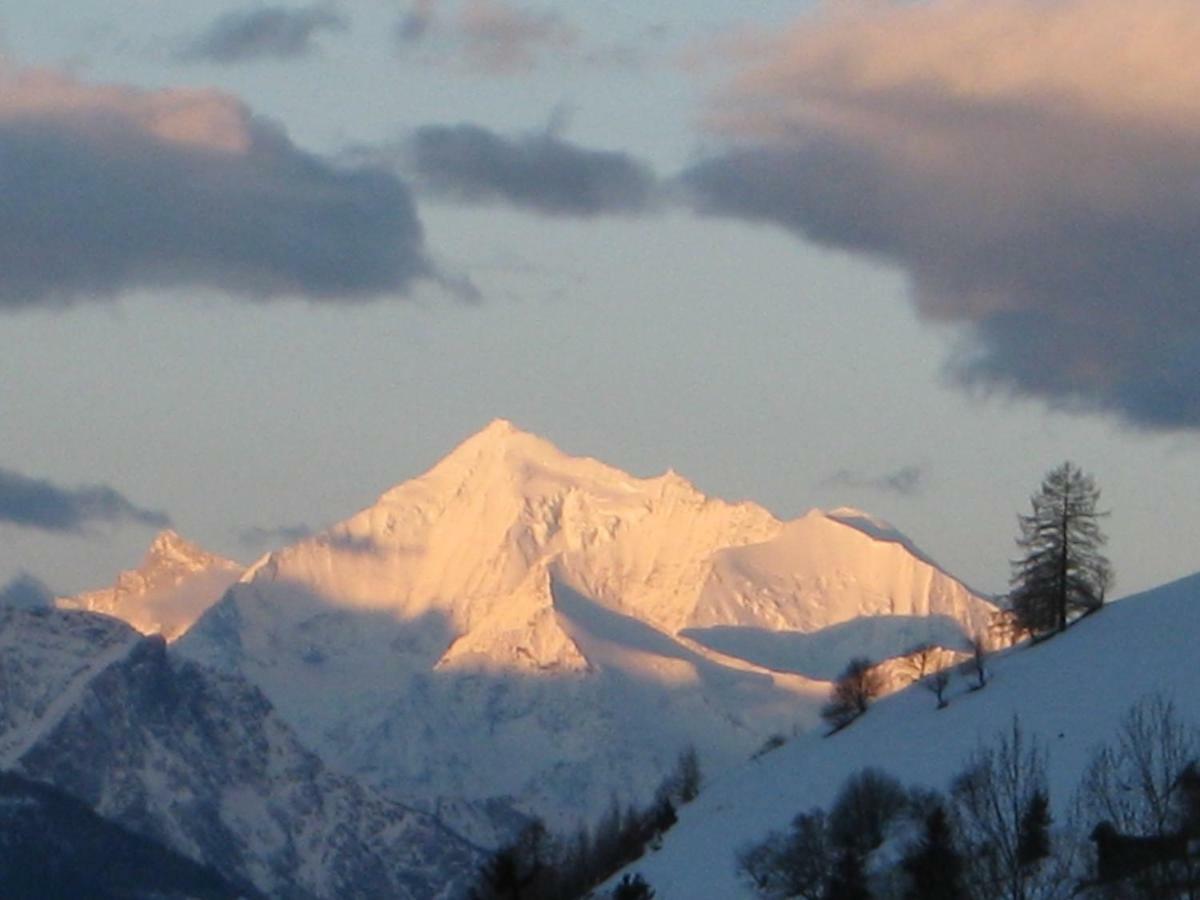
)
(199, 762)
(176, 582)
(518, 623)
(1070, 693)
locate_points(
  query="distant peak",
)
(499, 433)
(500, 439)
(170, 547)
(169, 541)
(500, 428)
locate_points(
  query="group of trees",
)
(987, 841)
(1132, 831)
(1061, 575)
(539, 866)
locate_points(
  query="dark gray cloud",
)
(108, 189)
(267, 32)
(36, 503)
(26, 592)
(906, 481)
(540, 172)
(257, 537)
(1041, 193)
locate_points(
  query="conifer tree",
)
(1033, 841)
(633, 887)
(849, 880)
(934, 866)
(1062, 571)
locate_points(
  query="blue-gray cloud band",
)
(269, 32)
(257, 537)
(906, 481)
(111, 189)
(539, 172)
(36, 503)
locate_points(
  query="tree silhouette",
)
(852, 693)
(1062, 571)
(934, 866)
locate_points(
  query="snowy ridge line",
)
(15, 746)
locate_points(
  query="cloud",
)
(35, 503)
(258, 537)
(113, 188)
(500, 38)
(267, 32)
(26, 592)
(906, 481)
(1031, 165)
(417, 22)
(540, 172)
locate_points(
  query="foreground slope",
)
(199, 762)
(1070, 693)
(175, 583)
(522, 626)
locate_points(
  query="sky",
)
(260, 262)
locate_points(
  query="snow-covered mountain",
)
(199, 762)
(1070, 694)
(52, 845)
(176, 582)
(518, 623)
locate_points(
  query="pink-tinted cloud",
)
(1031, 163)
(200, 118)
(109, 188)
(502, 38)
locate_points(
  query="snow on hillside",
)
(175, 583)
(520, 625)
(1070, 692)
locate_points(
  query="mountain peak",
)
(170, 544)
(501, 454)
(176, 581)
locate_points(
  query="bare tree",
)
(921, 660)
(793, 864)
(975, 666)
(993, 798)
(928, 665)
(936, 684)
(1138, 791)
(852, 693)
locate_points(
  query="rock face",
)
(53, 846)
(523, 626)
(176, 582)
(200, 762)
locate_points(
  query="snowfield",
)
(1070, 693)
